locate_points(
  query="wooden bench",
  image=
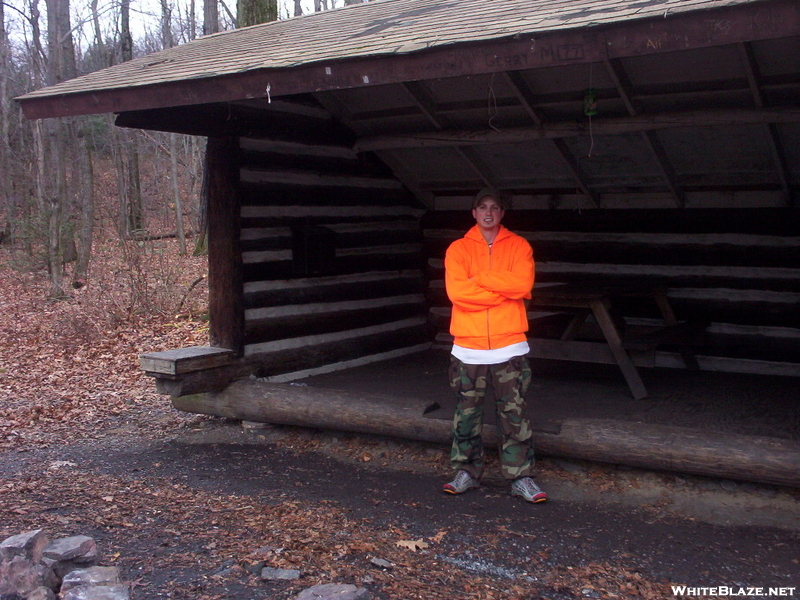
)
(193, 370)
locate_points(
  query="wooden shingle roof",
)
(376, 29)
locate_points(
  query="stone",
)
(18, 576)
(42, 593)
(98, 592)
(380, 562)
(93, 576)
(271, 573)
(71, 548)
(28, 545)
(334, 591)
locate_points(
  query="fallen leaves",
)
(413, 545)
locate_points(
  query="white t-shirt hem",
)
(470, 356)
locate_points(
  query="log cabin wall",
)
(331, 259)
(733, 271)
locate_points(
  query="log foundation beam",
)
(649, 446)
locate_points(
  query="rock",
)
(270, 573)
(19, 576)
(42, 593)
(380, 562)
(99, 576)
(72, 548)
(98, 592)
(28, 545)
(334, 591)
(32, 569)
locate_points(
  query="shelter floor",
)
(740, 404)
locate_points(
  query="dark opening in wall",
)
(313, 249)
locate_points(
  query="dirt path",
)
(190, 506)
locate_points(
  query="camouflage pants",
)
(509, 381)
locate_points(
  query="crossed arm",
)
(488, 288)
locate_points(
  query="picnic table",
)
(600, 302)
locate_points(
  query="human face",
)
(488, 214)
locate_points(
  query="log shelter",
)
(651, 149)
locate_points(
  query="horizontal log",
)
(680, 449)
(321, 323)
(273, 194)
(607, 126)
(339, 211)
(769, 221)
(610, 275)
(349, 363)
(209, 380)
(295, 149)
(297, 354)
(280, 161)
(661, 447)
(305, 178)
(319, 408)
(358, 286)
(285, 269)
(719, 250)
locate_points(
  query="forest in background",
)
(64, 181)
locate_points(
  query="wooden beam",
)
(525, 96)
(296, 149)
(610, 126)
(623, 86)
(650, 446)
(225, 279)
(426, 105)
(184, 360)
(306, 178)
(776, 148)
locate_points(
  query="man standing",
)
(489, 274)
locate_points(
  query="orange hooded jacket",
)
(487, 287)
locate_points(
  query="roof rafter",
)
(427, 106)
(526, 98)
(618, 75)
(773, 138)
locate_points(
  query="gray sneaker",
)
(527, 488)
(462, 483)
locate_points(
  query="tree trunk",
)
(86, 199)
(5, 111)
(132, 193)
(253, 12)
(60, 67)
(166, 25)
(55, 196)
(176, 193)
(210, 17)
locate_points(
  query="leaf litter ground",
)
(191, 507)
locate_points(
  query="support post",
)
(225, 279)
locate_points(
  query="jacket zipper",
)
(488, 333)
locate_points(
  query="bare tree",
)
(167, 40)
(252, 12)
(53, 191)
(5, 113)
(128, 163)
(210, 17)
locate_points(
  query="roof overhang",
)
(679, 26)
